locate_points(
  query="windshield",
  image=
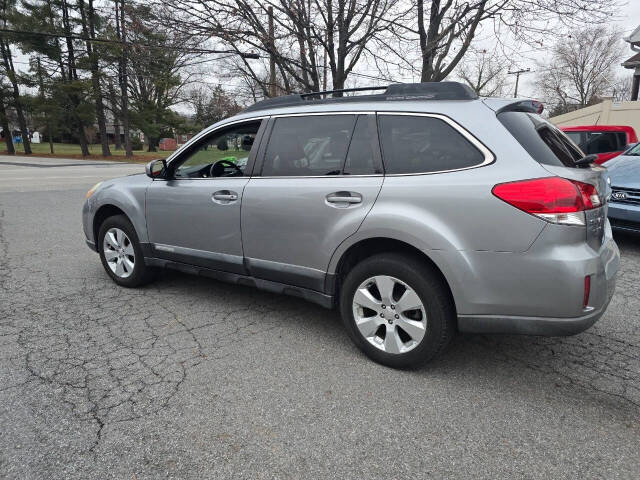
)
(633, 151)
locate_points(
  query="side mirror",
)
(156, 168)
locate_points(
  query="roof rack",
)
(395, 91)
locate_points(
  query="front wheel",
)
(121, 253)
(397, 310)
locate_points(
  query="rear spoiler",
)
(500, 105)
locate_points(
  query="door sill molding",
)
(326, 301)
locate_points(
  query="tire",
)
(434, 319)
(129, 254)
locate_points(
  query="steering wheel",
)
(217, 169)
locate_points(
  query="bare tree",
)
(486, 74)
(621, 88)
(305, 30)
(580, 70)
(436, 35)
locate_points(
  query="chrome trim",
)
(221, 257)
(313, 114)
(489, 157)
(285, 267)
(200, 178)
(318, 176)
(164, 248)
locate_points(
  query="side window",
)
(223, 154)
(602, 142)
(416, 144)
(362, 157)
(542, 140)
(308, 145)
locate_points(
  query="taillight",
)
(553, 199)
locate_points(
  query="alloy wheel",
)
(389, 314)
(118, 252)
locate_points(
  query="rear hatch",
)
(555, 152)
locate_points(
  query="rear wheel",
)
(397, 310)
(121, 253)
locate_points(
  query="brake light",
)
(554, 199)
(590, 197)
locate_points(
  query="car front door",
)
(193, 216)
(318, 178)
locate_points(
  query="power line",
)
(247, 55)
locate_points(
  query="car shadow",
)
(600, 361)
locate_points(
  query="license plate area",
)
(595, 220)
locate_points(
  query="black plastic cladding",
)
(396, 91)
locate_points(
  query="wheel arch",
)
(367, 247)
(105, 211)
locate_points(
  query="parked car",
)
(624, 204)
(416, 212)
(606, 141)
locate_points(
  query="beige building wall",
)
(606, 113)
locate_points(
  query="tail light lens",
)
(554, 199)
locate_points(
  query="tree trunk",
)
(88, 28)
(73, 76)
(4, 123)
(47, 121)
(122, 77)
(116, 117)
(17, 103)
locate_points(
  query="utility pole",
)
(272, 56)
(517, 73)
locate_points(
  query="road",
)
(192, 378)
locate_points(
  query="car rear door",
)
(317, 178)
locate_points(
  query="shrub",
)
(136, 143)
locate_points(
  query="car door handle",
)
(344, 197)
(224, 196)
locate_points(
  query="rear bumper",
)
(543, 326)
(537, 292)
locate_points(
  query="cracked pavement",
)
(193, 378)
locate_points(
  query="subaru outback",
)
(417, 212)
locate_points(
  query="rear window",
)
(598, 142)
(541, 139)
(418, 144)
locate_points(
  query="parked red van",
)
(607, 141)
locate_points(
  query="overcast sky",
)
(524, 56)
(626, 22)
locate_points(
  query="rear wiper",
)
(587, 159)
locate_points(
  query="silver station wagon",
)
(417, 212)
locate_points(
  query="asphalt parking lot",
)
(192, 378)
